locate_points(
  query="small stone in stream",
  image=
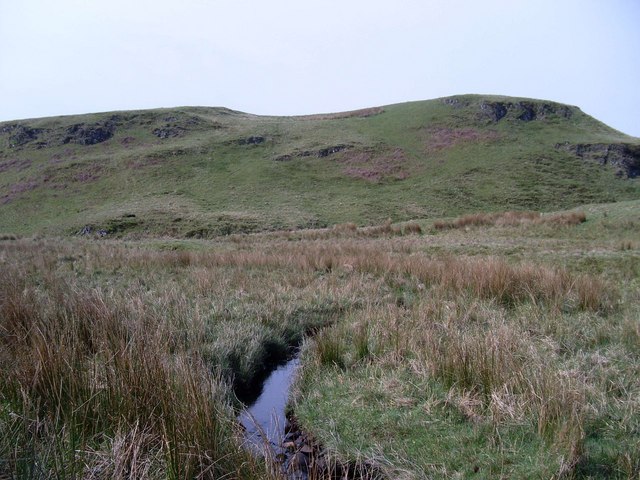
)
(289, 446)
(306, 449)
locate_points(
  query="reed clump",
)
(81, 364)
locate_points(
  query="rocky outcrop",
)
(321, 153)
(455, 102)
(525, 111)
(325, 152)
(81, 133)
(59, 132)
(180, 124)
(625, 158)
(20, 134)
(253, 140)
(168, 131)
(89, 134)
(528, 111)
(496, 110)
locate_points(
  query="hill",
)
(200, 172)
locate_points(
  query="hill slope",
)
(205, 171)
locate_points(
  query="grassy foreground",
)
(507, 347)
(118, 361)
(509, 350)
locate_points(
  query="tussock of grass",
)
(85, 366)
(330, 349)
(411, 228)
(511, 219)
(347, 228)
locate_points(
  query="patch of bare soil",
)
(438, 139)
(90, 173)
(14, 164)
(374, 166)
(17, 189)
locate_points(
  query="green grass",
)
(433, 382)
(415, 160)
(390, 415)
(496, 350)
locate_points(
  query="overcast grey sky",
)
(285, 57)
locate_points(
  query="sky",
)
(282, 57)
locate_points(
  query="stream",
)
(271, 434)
(264, 420)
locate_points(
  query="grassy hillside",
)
(199, 172)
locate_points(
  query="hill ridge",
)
(205, 171)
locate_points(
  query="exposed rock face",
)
(20, 134)
(84, 134)
(524, 111)
(624, 157)
(81, 134)
(179, 125)
(168, 131)
(253, 140)
(496, 110)
(325, 152)
(528, 112)
(322, 153)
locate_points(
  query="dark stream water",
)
(264, 419)
(268, 433)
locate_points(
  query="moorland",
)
(460, 276)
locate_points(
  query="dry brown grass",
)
(511, 219)
(109, 382)
(87, 363)
(345, 228)
(482, 277)
(411, 228)
(119, 341)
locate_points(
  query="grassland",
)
(491, 375)
(461, 275)
(504, 350)
(201, 172)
